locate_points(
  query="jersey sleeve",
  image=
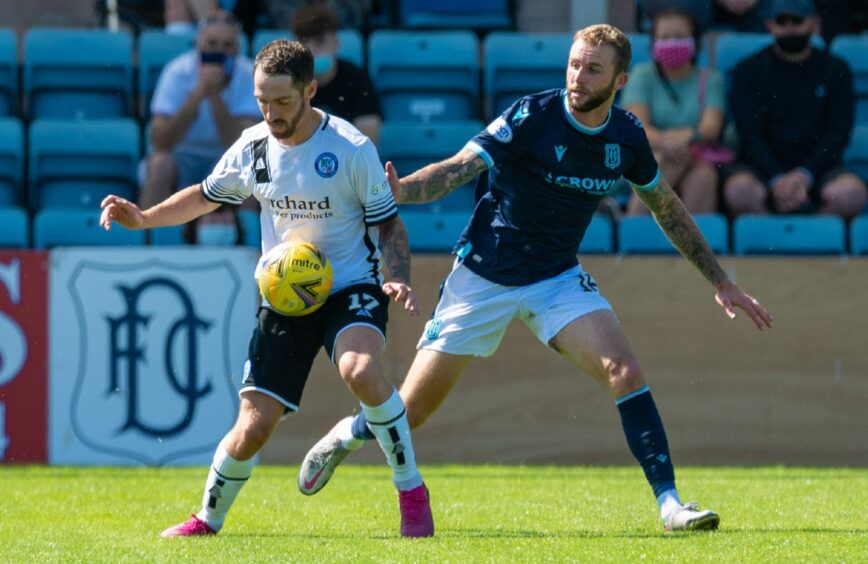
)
(643, 174)
(497, 142)
(229, 182)
(369, 182)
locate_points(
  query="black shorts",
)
(282, 349)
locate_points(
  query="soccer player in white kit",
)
(318, 179)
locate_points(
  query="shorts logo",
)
(613, 155)
(432, 328)
(500, 130)
(326, 165)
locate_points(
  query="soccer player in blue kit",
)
(551, 157)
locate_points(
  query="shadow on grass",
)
(520, 534)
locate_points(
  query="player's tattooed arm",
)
(680, 228)
(395, 247)
(436, 180)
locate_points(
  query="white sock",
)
(344, 432)
(388, 422)
(225, 479)
(668, 502)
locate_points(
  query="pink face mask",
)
(674, 53)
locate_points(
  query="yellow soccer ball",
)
(295, 278)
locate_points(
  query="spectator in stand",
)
(201, 104)
(183, 15)
(220, 228)
(349, 13)
(794, 108)
(741, 15)
(343, 89)
(682, 109)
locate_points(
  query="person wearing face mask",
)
(201, 104)
(793, 107)
(682, 108)
(343, 89)
(220, 228)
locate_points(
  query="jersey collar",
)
(575, 123)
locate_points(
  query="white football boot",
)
(320, 463)
(689, 518)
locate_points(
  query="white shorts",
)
(473, 313)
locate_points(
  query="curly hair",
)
(605, 34)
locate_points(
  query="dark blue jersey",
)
(547, 175)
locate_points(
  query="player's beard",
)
(595, 99)
(289, 127)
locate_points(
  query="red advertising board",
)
(23, 356)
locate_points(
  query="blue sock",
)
(360, 428)
(647, 439)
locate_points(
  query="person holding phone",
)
(201, 104)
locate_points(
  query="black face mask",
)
(793, 43)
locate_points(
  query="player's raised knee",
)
(359, 371)
(624, 374)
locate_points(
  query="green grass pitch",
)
(482, 514)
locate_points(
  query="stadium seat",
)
(856, 154)
(78, 73)
(456, 14)
(412, 146)
(425, 76)
(167, 236)
(433, 232)
(11, 161)
(640, 234)
(351, 44)
(859, 236)
(14, 228)
(156, 48)
(75, 163)
(252, 229)
(854, 50)
(65, 227)
(8, 73)
(732, 47)
(790, 235)
(517, 64)
(599, 237)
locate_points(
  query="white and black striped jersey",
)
(330, 190)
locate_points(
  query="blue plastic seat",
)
(856, 154)
(11, 161)
(854, 50)
(599, 237)
(351, 44)
(456, 14)
(8, 73)
(251, 227)
(167, 236)
(412, 146)
(640, 234)
(78, 73)
(75, 163)
(517, 64)
(433, 232)
(425, 76)
(14, 228)
(67, 227)
(789, 235)
(156, 49)
(859, 236)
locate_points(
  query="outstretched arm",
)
(435, 180)
(678, 224)
(396, 254)
(181, 207)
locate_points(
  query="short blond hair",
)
(605, 34)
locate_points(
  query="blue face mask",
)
(216, 235)
(323, 63)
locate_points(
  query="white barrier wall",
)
(146, 351)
